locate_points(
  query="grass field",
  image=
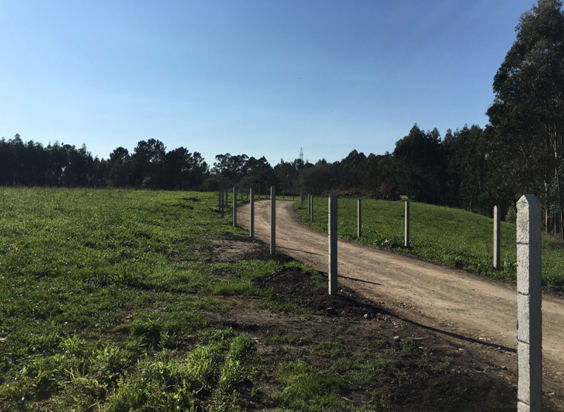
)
(450, 236)
(116, 300)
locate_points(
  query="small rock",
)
(504, 368)
(396, 339)
(366, 316)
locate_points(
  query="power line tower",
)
(301, 155)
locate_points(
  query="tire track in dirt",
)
(464, 306)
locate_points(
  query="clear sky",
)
(259, 77)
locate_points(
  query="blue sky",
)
(256, 77)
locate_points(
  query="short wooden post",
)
(496, 238)
(219, 199)
(332, 229)
(358, 218)
(529, 300)
(234, 206)
(272, 220)
(252, 217)
(406, 240)
(302, 195)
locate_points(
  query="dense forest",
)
(519, 151)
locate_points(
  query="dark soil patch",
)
(425, 371)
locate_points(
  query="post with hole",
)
(496, 238)
(252, 216)
(529, 300)
(272, 220)
(332, 229)
(406, 240)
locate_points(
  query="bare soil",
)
(470, 320)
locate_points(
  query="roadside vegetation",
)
(118, 300)
(451, 236)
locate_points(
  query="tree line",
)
(519, 151)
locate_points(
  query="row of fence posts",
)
(529, 291)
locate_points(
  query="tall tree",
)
(528, 110)
(420, 165)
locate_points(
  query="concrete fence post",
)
(272, 220)
(222, 203)
(529, 300)
(332, 229)
(234, 206)
(311, 208)
(496, 237)
(406, 240)
(252, 217)
(358, 218)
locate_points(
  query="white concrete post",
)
(311, 207)
(529, 299)
(358, 218)
(332, 229)
(406, 241)
(252, 217)
(496, 237)
(222, 203)
(272, 220)
(234, 206)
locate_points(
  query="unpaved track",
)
(463, 305)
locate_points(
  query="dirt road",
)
(460, 304)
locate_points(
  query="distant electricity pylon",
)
(301, 155)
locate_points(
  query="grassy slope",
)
(451, 236)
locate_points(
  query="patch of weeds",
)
(306, 389)
(277, 339)
(278, 304)
(167, 382)
(332, 350)
(238, 288)
(409, 348)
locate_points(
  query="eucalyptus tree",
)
(528, 110)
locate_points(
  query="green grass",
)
(104, 300)
(112, 300)
(450, 236)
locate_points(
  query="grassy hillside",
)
(117, 300)
(451, 236)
